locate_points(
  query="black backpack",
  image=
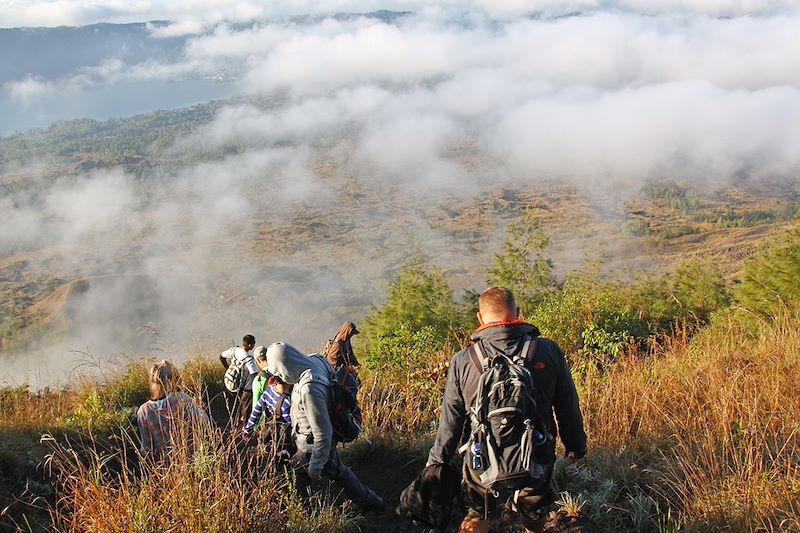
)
(346, 416)
(506, 428)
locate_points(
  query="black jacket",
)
(551, 376)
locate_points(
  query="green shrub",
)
(636, 227)
(728, 217)
(589, 316)
(131, 390)
(676, 196)
(405, 345)
(687, 296)
(672, 232)
(522, 267)
(418, 317)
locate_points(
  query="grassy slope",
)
(698, 435)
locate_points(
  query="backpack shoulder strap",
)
(525, 355)
(278, 414)
(480, 361)
(531, 351)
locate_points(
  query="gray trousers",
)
(335, 471)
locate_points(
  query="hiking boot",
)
(374, 503)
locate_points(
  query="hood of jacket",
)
(293, 366)
(503, 337)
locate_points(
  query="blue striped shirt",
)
(268, 402)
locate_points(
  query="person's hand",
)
(314, 475)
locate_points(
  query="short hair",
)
(163, 379)
(248, 339)
(497, 300)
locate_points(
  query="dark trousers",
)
(239, 407)
(335, 471)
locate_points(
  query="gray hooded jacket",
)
(312, 378)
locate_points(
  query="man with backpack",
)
(501, 394)
(313, 424)
(240, 370)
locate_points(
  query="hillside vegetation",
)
(690, 388)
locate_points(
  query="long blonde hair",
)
(163, 379)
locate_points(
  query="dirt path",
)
(387, 472)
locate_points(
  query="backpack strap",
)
(278, 414)
(527, 352)
(480, 361)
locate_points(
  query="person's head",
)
(248, 342)
(261, 356)
(497, 304)
(163, 379)
(287, 362)
(281, 386)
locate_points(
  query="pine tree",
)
(416, 319)
(522, 265)
(771, 278)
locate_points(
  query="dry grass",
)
(210, 484)
(714, 421)
(700, 434)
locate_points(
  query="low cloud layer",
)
(437, 104)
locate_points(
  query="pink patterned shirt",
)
(166, 422)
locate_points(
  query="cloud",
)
(688, 130)
(610, 96)
(15, 13)
(68, 214)
(177, 29)
(28, 90)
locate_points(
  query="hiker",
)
(276, 403)
(312, 428)
(170, 416)
(525, 445)
(261, 381)
(240, 370)
(339, 353)
(339, 350)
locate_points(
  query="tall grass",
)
(714, 421)
(698, 434)
(210, 482)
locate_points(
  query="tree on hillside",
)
(771, 278)
(416, 319)
(687, 296)
(699, 289)
(522, 265)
